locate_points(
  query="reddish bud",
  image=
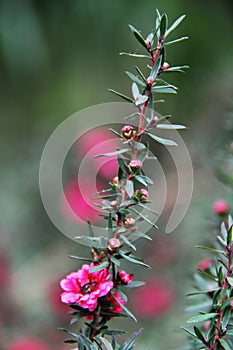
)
(113, 245)
(142, 195)
(135, 164)
(207, 325)
(220, 207)
(129, 222)
(128, 132)
(114, 204)
(165, 66)
(124, 277)
(149, 81)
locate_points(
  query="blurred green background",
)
(57, 57)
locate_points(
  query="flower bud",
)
(142, 195)
(113, 245)
(149, 81)
(129, 222)
(220, 207)
(135, 164)
(128, 132)
(115, 181)
(124, 277)
(165, 66)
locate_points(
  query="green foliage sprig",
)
(122, 202)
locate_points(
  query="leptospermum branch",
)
(96, 291)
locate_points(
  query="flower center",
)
(88, 287)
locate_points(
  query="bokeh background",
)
(57, 57)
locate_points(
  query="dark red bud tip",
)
(128, 132)
(124, 277)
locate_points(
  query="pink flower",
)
(204, 264)
(27, 343)
(115, 306)
(124, 277)
(84, 287)
(220, 207)
(142, 195)
(128, 132)
(80, 206)
(155, 299)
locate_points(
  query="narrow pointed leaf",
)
(115, 153)
(127, 242)
(133, 260)
(138, 36)
(137, 55)
(202, 318)
(156, 68)
(129, 313)
(163, 90)
(170, 126)
(175, 24)
(130, 342)
(128, 99)
(135, 79)
(224, 344)
(176, 40)
(99, 267)
(161, 140)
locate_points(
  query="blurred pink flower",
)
(79, 208)
(54, 301)
(154, 299)
(220, 207)
(84, 287)
(27, 343)
(204, 264)
(100, 141)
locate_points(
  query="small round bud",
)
(207, 325)
(165, 66)
(128, 132)
(142, 195)
(129, 222)
(113, 245)
(148, 43)
(115, 181)
(135, 164)
(220, 207)
(124, 277)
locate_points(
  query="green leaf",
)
(133, 260)
(163, 25)
(226, 317)
(79, 258)
(176, 40)
(211, 250)
(88, 344)
(199, 335)
(122, 165)
(135, 79)
(170, 126)
(138, 36)
(90, 229)
(230, 281)
(144, 218)
(177, 69)
(126, 241)
(229, 236)
(110, 230)
(156, 68)
(141, 235)
(189, 332)
(114, 332)
(115, 132)
(134, 55)
(140, 73)
(135, 90)
(129, 187)
(129, 342)
(128, 99)
(161, 140)
(175, 24)
(146, 179)
(105, 345)
(163, 90)
(135, 284)
(224, 344)
(129, 313)
(115, 153)
(99, 267)
(140, 179)
(202, 317)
